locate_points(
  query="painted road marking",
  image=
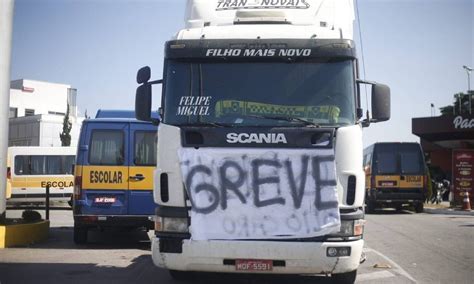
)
(374, 276)
(395, 266)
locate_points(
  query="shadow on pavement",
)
(62, 238)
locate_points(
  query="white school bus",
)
(32, 169)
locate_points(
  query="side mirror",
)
(380, 103)
(143, 75)
(143, 101)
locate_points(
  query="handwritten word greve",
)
(219, 193)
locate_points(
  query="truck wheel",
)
(344, 278)
(419, 207)
(80, 235)
(370, 207)
(180, 275)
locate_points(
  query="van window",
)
(145, 148)
(67, 164)
(106, 148)
(43, 165)
(386, 159)
(398, 159)
(411, 161)
(21, 165)
(54, 165)
(37, 165)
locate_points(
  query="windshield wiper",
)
(287, 118)
(215, 124)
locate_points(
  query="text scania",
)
(259, 138)
(256, 52)
(106, 177)
(235, 4)
(57, 184)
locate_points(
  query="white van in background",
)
(32, 169)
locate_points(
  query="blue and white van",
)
(113, 177)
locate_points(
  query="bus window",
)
(107, 148)
(145, 148)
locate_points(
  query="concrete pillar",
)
(6, 22)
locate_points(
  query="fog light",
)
(338, 251)
(332, 252)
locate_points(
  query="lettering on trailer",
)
(111, 177)
(223, 5)
(258, 52)
(258, 194)
(57, 184)
(191, 105)
(258, 138)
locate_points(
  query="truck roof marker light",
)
(177, 46)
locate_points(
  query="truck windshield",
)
(260, 93)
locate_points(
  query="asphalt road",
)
(401, 248)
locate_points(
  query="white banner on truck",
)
(239, 193)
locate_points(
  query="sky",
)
(417, 47)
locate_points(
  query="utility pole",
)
(6, 22)
(468, 71)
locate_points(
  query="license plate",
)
(387, 183)
(253, 265)
(104, 200)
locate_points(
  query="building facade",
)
(448, 143)
(37, 111)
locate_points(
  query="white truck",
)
(260, 140)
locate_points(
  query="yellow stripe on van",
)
(43, 181)
(105, 177)
(391, 181)
(146, 183)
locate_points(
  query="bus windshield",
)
(249, 93)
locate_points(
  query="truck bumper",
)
(288, 257)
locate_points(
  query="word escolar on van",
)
(114, 173)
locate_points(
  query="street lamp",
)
(468, 71)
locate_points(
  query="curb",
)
(448, 211)
(23, 234)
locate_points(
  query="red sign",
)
(463, 173)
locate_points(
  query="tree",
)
(454, 108)
(65, 136)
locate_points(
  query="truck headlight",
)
(350, 228)
(171, 224)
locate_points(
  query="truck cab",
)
(260, 140)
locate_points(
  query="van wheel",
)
(419, 207)
(180, 275)
(80, 235)
(344, 278)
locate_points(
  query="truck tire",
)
(80, 235)
(344, 278)
(419, 207)
(180, 275)
(370, 207)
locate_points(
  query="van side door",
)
(142, 164)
